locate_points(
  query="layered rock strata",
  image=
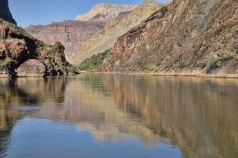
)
(70, 33)
(105, 12)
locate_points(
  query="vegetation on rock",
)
(94, 61)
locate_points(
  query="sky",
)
(42, 12)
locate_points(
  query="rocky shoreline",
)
(175, 74)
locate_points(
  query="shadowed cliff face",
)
(185, 37)
(5, 13)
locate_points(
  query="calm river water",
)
(115, 115)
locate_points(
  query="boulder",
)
(31, 67)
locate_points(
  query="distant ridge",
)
(104, 12)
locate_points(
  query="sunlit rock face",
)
(115, 28)
(5, 13)
(105, 12)
(70, 33)
(184, 37)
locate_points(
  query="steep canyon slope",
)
(106, 39)
(184, 37)
(72, 33)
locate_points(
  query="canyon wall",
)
(184, 37)
(70, 33)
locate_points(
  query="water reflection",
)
(197, 115)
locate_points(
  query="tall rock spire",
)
(5, 13)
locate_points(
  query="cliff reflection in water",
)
(197, 115)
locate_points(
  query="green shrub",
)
(49, 50)
(6, 61)
(181, 64)
(94, 61)
(179, 44)
(151, 67)
(218, 62)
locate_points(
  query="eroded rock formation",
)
(23, 55)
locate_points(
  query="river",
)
(117, 115)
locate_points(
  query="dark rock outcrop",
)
(23, 55)
(5, 13)
(184, 37)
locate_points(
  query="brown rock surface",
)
(31, 67)
(5, 13)
(184, 37)
(106, 39)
